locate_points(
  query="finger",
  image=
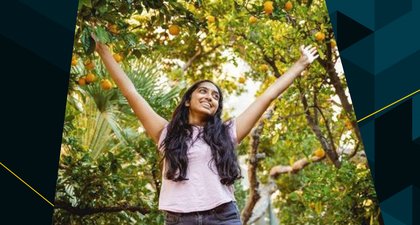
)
(312, 49)
(308, 47)
(314, 52)
(93, 36)
(301, 48)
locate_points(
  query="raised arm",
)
(247, 119)
(152, 122)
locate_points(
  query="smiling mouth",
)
(206, 105)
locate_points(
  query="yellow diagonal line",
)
(26, 184)
(377, 111)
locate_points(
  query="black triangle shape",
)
(396, 155)
(416, 206)
(349, 31)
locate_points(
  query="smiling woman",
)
(124, 159)
(200, 163)
(204, 102)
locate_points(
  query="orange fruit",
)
(89, 65)
(333, 44)
(82, 81)
(113, 28)
(74, 60)
(264, 67)
(288, 6)
(242, 80)
(348, 125)
(319, 153)
(253, 19)
(118, 57)
(312, 205)
(268, 7)
(367, 202)
(174, 29)
(90, 78)
(211, 19)
(106, 84)
(319, 36)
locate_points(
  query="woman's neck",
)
(196, 120)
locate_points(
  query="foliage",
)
(104, 154)
(322, 194)
(108, 161)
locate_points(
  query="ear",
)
(187, 103)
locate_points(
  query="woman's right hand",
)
(152, 122)
(99, 46)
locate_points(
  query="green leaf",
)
(130, 40)
(88, 43)
(86, 3)
(275, 138)
(293, 196)
(102, 35)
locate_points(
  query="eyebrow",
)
(208, 89)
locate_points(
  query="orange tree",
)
(303, 156)
(313, 120)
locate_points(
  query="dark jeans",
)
(225, 214)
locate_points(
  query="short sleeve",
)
(232, 130)
(162, 137)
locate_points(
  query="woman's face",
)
(204, 99)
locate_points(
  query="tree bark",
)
(295, 168)
(198, 54)
(252, 174)
(254, 194)
(328, 147)
(329, 67)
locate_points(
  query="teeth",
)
(206, 104)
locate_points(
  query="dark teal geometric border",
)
(380, 50)
(379, 45)
(36, 41)
(416, 119)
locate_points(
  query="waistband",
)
(217, 209)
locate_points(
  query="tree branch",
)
(339, 90)
(270, 61)
(268, 189)
(327, 125)
(191, 60)
(105, 209)
(252, 174)
(317, 131)
(329, 67)
(198, 54)
(254, 194)
(296, 167)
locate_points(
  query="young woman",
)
(200, 163)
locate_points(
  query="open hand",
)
(98, 45)
(309, 54)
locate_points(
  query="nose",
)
(208, 96)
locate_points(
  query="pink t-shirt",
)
(203, 190)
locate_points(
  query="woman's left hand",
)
(309, 54)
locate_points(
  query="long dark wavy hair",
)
(215, 133)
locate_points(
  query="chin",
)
(205, 111)
(208, 114)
